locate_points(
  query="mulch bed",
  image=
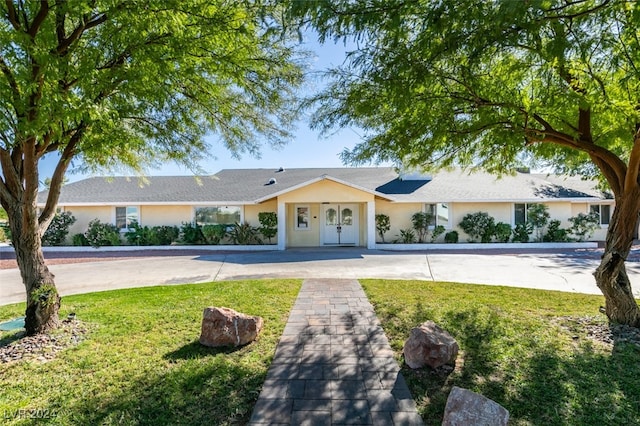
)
(42, 347)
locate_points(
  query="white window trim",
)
(449, 219)
(295, 217)
(114, 217)
(611, 207)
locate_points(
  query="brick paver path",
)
(333, 364)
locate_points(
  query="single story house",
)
(329, 206)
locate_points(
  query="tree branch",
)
(39, 18)
(12, 16)
(631, 179)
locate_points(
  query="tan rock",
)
(430, 345)
(466, 408)
(226, 327)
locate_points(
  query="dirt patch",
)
(597, 329)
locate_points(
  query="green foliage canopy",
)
(487, 84)
(123, 85)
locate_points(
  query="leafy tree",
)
(124, 85)
(383, 225)
(269, 224)
(496, 85)
(420, 222)
(538, 216)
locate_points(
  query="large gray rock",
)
(466, 408)
(430, 345)
(226, 327)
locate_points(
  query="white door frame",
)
(355, 227)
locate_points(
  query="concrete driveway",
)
(567, 271)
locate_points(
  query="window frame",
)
(526, 212)
(599, 207)
(434, 211)
(126, 215)
(217, 206)
(306, 209)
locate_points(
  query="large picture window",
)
(218, 215)
(127, 215)
(603, 211)
(439, 215)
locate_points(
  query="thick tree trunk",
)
(611, 275)
(43, 301)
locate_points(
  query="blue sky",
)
(306, 149)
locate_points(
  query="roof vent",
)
(280, 170)
(272, 181)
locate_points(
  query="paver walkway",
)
(333, 364)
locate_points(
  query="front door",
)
(340, 224)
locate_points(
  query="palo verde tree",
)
(496, 85)
(126, 84)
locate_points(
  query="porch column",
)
(371, 225)
(282, 225)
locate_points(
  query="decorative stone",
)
(226, 327)
(430, 345)
(466, 408)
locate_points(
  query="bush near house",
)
(583, 225)
(102, 234)
(383, 225)
(451, 237)
(269, 224)
(56, 233)
(478, 226)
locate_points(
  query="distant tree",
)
(496, 85)
(125, 84)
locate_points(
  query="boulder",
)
(430, 345)
(466, 408)
(226, 327)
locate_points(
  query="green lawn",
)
(141, 362)
(515, 351)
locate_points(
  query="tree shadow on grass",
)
(537, 382)
(209, 388)
(196, 350)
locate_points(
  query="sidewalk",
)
(333, 364)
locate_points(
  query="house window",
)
(125, 216)
(603, 211)
(439, 215)
(521, 213)
(218, 215)
(302, 218)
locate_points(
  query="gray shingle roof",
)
(249, 185)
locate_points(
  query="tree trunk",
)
(611, 275)
(43, 301)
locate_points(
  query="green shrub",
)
(538, 217)
(407, 236)
(214, 234)
(166, 235)
(421, 222)
(502, 232)
(269, 222)
(191, 233)
(102, 234)
(5, 232)
(137, 235)
(478, 226)
(244, 234)
(521, 233)
(583, 225)
(451, 237)
(56, 233)
(383, 224)
(79, 240)
(436, 232)
(555, 233)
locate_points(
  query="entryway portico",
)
(326, 212)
